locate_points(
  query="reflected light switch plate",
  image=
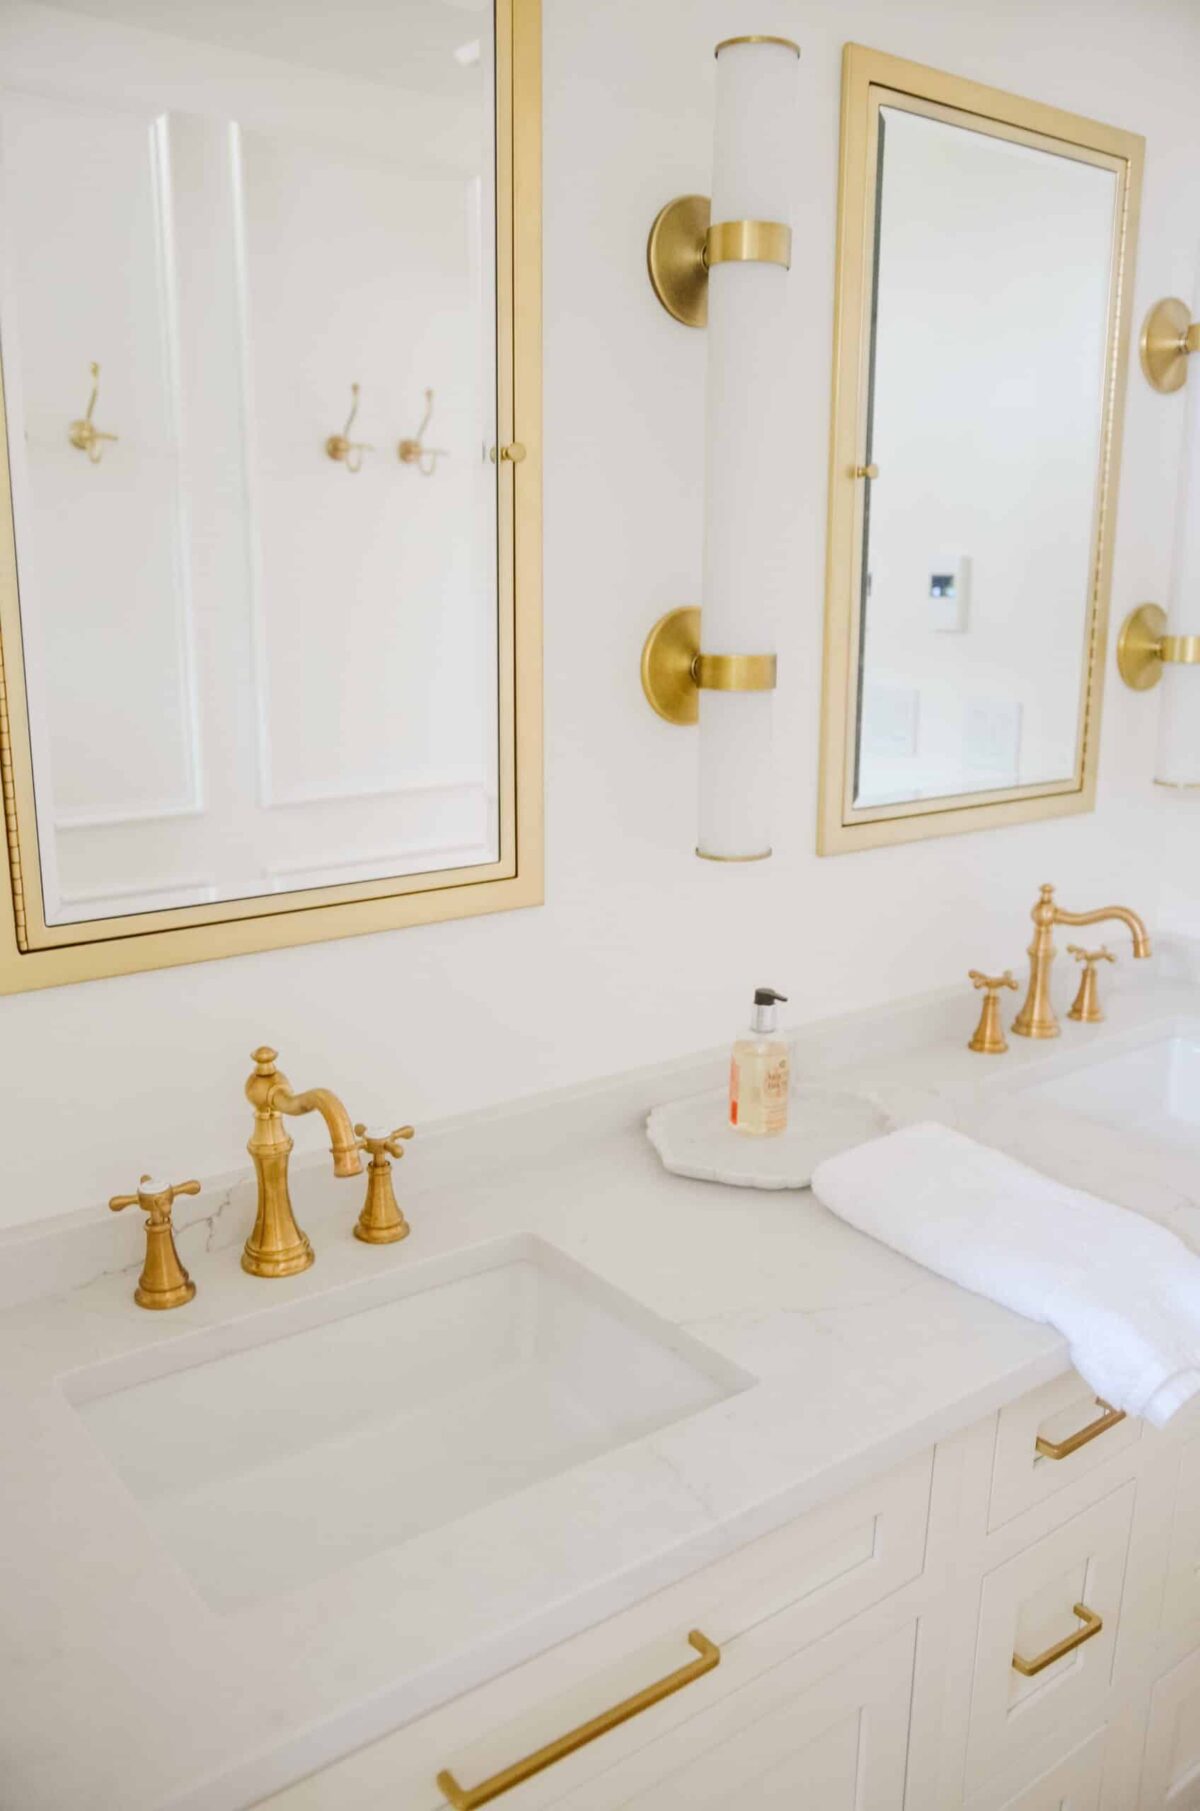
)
(890, 715)
(950, 594)
(992, 739)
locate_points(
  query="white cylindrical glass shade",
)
(746, 469)
(1179, 718)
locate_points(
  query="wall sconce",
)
(1147, 647)
(724, 266)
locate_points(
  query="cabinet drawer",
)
(1073, 1784)
(1181, 1599)
(1171, 1769)
(1060, 1414)
(1065, 1589)
(762, 1605)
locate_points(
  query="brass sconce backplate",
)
(668, 665)
(1139, 649)
(1167, 339)
(675, 257)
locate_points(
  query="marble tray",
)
(693, 1137)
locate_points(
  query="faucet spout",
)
(1037, 1018)
(276, 1246)
(342, 1142)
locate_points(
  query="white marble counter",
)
(120, 1685)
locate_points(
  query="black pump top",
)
(766, 996)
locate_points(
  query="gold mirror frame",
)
(871, 78)
(34, 955)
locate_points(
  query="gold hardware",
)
(748, 242)
(511, 454)
(1169, 337)
(164, 1283)
(1037, 1018)
(415, 452)
(1091, 1625)
(1062, 1449)
(866, 471)
(463, 1798)
(340, 446)
(83, 433)
(1144, 647)
(1086, 1005)
(684, 245)
(989, 1034)
(276, 1247)
(756, 38)
(674, 671)
(381, 1221)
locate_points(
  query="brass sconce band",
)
(748, 242)
(1144, 648)
(735, 672)
(756, 38)
(674, 671)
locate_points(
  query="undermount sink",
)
(340, 1426)
(1154, 1089)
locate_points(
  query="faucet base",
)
(1037, 1028)
(287, 1261)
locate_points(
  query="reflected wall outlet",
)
(950, 594)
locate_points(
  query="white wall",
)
(641, 950)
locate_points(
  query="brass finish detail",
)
(1145, 647)
(1062, 1449)
(705, 856)
(675, 258)
(276, 1247)
(164, 1283)
(735, 672)
(872, 80)
(866, 471)
(512, 454)
(1169, 336)
(464, 1798)
(1037, 1018)
(1086, 1005)
(12, 839)
(756, 38)
(1091, 1624)
(341, 448)
(84, 433)
(381, 1221)
(413, 451)
(674, 671)
(748, 242)
(989, 1035)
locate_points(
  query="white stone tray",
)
(693, 1137)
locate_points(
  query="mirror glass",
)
(248, 323)
(990, 335)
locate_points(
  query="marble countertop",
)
(121, 1685)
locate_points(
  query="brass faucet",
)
(277, 1247)
(1036, 1018)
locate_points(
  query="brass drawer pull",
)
(1090, 1624)
(1062, 1449)
(470, 1798)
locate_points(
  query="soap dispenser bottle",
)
(758, 1073)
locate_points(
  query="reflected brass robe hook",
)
(414, 452)
(340, 446)
(83, 433)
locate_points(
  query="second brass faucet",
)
(277, 1247)
(1037, 1018)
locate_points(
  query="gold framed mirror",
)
(981, 341)
(270, 540)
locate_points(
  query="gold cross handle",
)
(164, 1283)
(989, 1039)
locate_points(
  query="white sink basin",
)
(336, 1427)
(1154, 1089)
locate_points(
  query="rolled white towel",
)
(1123, 1291)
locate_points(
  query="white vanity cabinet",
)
(867, 1651)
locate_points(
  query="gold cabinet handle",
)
(866, 471)
(1089, 1624)
(511, 454)
(1062, 1449)
(464, 1798)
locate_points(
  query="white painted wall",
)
(642, 951)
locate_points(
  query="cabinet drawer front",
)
(1032, 1605)
(1181, 1599)
(838, 1742)
(760, 1605)
(1171, 1770)
(1059, 1415)
(1074, 1784)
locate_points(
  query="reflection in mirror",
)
(993, 273)
(252, 666)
